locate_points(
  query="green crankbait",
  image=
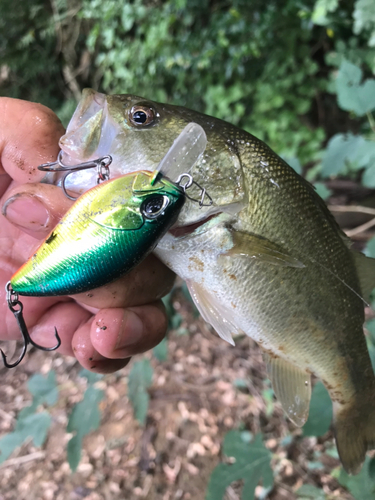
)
(108, 230)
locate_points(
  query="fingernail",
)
(131, 330)
(26, 211)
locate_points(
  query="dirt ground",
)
(194, 402)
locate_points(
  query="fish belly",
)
(277, 306)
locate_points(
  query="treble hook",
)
(189, 182)
(13, 302)
(101, 165)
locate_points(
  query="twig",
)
(232, 495)
(361, 228)
(23, 460)
(352, 208)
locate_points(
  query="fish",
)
(267, 259)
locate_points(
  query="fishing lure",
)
(108, 230)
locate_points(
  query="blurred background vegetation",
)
(298, 74)
(268, 67)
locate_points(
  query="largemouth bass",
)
(267, 259)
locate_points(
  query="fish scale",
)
(266, 259)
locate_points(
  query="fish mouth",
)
(89, 134)
(180, 231)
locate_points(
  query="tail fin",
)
(354, 432)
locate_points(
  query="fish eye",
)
(154, 206)
(141, 115)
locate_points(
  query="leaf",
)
(85, 416)
(322, 190)
(28, 410)
(252, 463)
(309, 492)
(8, 444)
(294, 163)
(351, 94)
(347, 151)
(321, 9)
(361, 486)
(44, 389)
(364, 17)
(140, 379)
(32, 427)
(320, 416)
(370, 248)
(370, 325)
(368, 178)
(90, 376)
(161, 350)
(73, 450)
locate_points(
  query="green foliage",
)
(353, 95)
(84, 418)
(322, 190)
(322, 9)
(251, 463)
(320, 415)
(361, 486)
(309, 492)
(346, 153)
(90, 376)
(32, 424)
(33, 427)
(161, 350)
(140, 379)
(43, 389)
(364, 19)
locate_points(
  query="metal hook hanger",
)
(189, 182)
(13, 303)
(101, 164)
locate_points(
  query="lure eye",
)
(154, 206)
(141, 115)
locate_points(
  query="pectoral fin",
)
(256, 247)
(215, 313)
(292, 388)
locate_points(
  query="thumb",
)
(35, 208)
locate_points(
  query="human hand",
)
(103, 328)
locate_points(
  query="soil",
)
(194, 402)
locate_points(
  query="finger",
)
(119, 333)
(88, 356)
(67, 318)
(33, 308)
(29, 136)
(149, 281)
(35, 208)
(5, 180)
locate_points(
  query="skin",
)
(102, 328)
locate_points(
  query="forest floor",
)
(194, 402)
(195, 399)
